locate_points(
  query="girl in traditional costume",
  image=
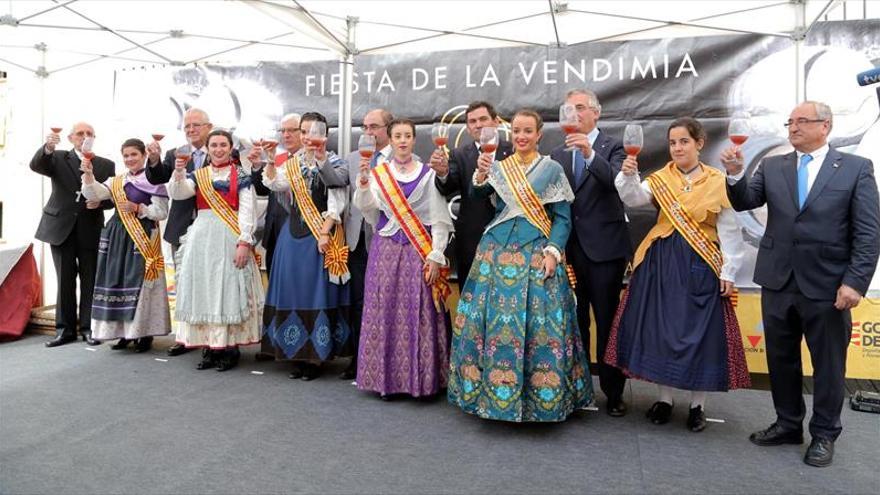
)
(675, 325)
(306, 313)
(130, 302)
(403, 346)
(516, 349)
(219, 290)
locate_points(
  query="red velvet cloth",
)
(19, 293)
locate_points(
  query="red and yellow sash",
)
(413, 227)
(515, 175)
(150, 249)
(218, 205)
(685, 224)
(336, 255)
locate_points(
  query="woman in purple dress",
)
(403, 344)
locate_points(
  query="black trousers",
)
(598, 287)
(357, 265)
(789, 317)
(71, 261)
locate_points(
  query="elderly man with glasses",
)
(815, 262)
(72, 227)
(196, 126)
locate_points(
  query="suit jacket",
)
(834, 239)
(597, 212)
(65, 212)
(182, 212)
(475, 211)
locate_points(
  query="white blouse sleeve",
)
(632, 191)
(247, 211)
(441, 224)
(279, 183)
(180, 187)
(157, 210)
(96, 191)
(732, 245)
(337, 199)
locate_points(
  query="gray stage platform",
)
(74, 420)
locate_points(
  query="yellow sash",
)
(336, 255)
(684, 223)
(515, 176)
(413, 227)
(218, 205)
(150, 249)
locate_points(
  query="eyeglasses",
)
(373, 127)
(801, 121)
(289, 130)
(193, 126)
(84, 134)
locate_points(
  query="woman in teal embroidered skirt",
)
(516, 350)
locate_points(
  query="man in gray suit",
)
(357, 232)
(815, 263)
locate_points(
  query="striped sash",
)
(336, 255)
(528, 201)
(150, 249)
(219, 205)
(412, 227)
(685, 224)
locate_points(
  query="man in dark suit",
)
(815, 262)
(72, 228)
(455, 175)
(599, 244)
(197, 126)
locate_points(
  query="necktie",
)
(579, 165)
(197, 159)
(803, 176)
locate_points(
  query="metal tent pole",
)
(346, 67)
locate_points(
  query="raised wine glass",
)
(739, 129)
(568, 120)
(366, 148)
(633, 139)
(488, 139)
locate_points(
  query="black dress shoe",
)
(209, 360)
(143, 344)
(776, 435)
(61, 340)
(177, 350)
(616, 407)
(820, 453)
(349, 373)
(121, 344)
(660, 412)
(696, 421)
(87, 338)
(311, 372)
(297, 372)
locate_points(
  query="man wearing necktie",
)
(599, 244)
(359, 233)
(455, 174)
(815, 262)
(197, 126)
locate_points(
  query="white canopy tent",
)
(61, 55)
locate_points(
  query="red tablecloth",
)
(19, 289)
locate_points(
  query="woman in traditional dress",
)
(403, 347)
(130, 301)
(305, 318)
(219, 290)
(675, 325)
(516, 349)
